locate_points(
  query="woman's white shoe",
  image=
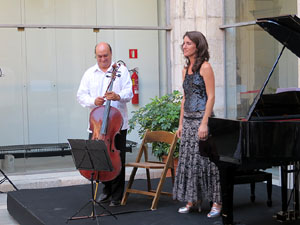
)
(185, 209)
(214, 212)
(188, 208)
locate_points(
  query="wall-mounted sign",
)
(133, 53)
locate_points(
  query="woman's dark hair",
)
(202, 53)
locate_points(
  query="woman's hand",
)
(203, 132)
(179, 131)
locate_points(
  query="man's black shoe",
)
(103, 198)
(115, 203)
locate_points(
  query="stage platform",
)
(54, 206)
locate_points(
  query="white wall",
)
(134, 13)
(43, 67)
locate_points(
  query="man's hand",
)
(99, 101)
(110, 95)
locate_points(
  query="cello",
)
(105, 123)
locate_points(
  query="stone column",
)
(205, 16)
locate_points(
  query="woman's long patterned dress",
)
(196, 176)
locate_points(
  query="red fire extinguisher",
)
(135, 87)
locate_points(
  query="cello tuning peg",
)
(120, 62)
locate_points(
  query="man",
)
(92, 93)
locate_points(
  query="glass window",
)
(247, 10)
(251, 53)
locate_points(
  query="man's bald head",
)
(103, 45)
(103, 54)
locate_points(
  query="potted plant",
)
(160, 114)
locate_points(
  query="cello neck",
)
(103, 130)
(106, 114)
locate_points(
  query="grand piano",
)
(269, 135)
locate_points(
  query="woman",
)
(196, 175)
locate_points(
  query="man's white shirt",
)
(94, 83)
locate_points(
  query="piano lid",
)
(285, 29)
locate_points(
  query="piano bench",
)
(253, 176)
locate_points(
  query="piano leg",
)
(296, 180)
(226, 182)
(282, 215)
(284, 188)
(291, 214)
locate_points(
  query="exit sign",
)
(133, 53)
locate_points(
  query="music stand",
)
(90, 155)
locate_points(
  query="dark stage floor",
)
(53, 206)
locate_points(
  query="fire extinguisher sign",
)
(133, 53)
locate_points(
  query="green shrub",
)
(160, 114)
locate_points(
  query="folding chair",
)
(151, 137)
